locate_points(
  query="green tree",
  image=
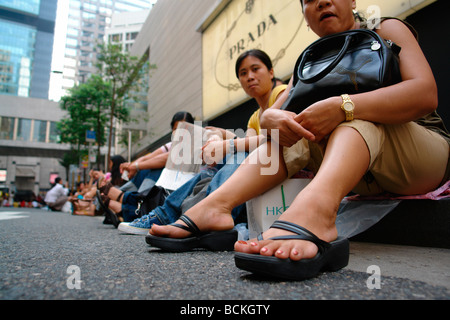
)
(123, 72)
(86, 107)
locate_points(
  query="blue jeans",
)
(170, 211)
(143, 180)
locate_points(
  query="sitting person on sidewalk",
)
(85, 202)
(119, 203)
(395, 142)
(256, 75)
(57, 196)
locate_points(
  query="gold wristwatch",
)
(348, 107)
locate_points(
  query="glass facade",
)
(28, 130)
(6, 128)
(39, 131)
(54, 136)
(16, 58)
(26, 42)
(23, 130)
(29, 6)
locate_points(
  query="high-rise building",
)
(125, 27)
(85, 23)
(27, 30)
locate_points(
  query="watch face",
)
(348, 106)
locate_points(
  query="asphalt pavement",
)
(48, 255)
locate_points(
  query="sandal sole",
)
(334, 259)
(212, 241)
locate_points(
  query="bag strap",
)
(328, 68)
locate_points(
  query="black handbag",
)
(349, 62)
(149, 200)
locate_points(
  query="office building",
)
(85, 23)
(27, 29)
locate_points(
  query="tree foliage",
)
(86, 106)
(100, 101)
(123, 73)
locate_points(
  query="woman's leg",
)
(345, 162)
(214, 212)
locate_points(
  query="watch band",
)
(348, 114)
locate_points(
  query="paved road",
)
(55, 256)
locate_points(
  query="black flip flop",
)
(109, 215)
(331, 256)
(213, 241)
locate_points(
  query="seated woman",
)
(255, 72)
(144, 172)
(57, 196)
(395, 135)
(84, 202)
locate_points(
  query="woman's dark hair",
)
(116, 178)
(181, 116)
(261, 55)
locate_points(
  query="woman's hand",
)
(214, 151)
(124, 166)
(322, 117)
(289, 130)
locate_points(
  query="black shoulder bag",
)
(349, 62)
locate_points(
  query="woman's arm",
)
(155, 162)
(412, 98)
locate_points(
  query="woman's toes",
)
(242, 246)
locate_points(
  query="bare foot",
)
(208, 215)
(322, 225)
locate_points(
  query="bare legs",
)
(345, 162)
(213, 213)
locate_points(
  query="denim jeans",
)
(170, 211)
(143, 180)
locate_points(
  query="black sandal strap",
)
(190, 225)
(300, 234)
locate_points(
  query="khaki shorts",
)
(404, 159)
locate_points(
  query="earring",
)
(308, 27)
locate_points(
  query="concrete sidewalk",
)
(430, 265)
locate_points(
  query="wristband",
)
(137, 167)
